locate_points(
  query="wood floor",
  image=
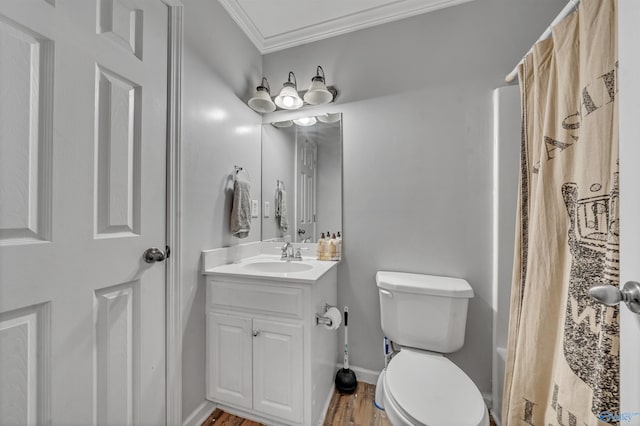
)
(344, 410)
(219, 417)
(356, 409)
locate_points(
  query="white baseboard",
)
(488, 399)
(200, 414)
(326, 406)
(363, 374)
(495, 418)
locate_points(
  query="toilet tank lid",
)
(424, 284)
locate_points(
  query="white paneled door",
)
(306, 177)
(83, 105)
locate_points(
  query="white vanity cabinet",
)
(266, 357)
(256, 364)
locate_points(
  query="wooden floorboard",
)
(344, 410)
(219, 417)
(355, 409)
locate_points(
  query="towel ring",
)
(239, 169)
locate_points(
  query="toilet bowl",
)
(420, 388)
(426, 317)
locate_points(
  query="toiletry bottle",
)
(332, 247)
(327, 244)
(338, 247)
(320, 249)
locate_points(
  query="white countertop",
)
(266, 266)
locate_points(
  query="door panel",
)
(25, 132)
(306, 164)
(277, 363)
(118, 148)
(82, 195)
(229, 359)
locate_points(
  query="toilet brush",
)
(346, 381)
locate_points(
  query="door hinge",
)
(167, 251)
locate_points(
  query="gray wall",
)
(416, 97)
(219, 131)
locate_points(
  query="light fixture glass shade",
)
(261, 101)
(288, 97)
(282, 124)
(318, 93)
(329, 118)
(305, 121)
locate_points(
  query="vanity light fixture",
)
(318, 94)
(288, 97)
(305, 121)
(261, 101)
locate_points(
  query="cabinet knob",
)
(255, 333)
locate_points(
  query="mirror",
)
(302, 178)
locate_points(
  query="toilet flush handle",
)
(386, 293)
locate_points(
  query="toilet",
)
(425, 316)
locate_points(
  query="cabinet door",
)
(277, 368)
(229, 342)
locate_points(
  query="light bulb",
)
(305, 121)
(288, 101)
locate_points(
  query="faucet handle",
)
(298, 255)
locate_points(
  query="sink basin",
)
(278, 267)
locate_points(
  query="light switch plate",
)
(254, 208)
(267, 209)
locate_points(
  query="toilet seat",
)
(428, 389)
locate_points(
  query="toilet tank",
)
(423, 311)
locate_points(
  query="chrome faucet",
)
(287, 253)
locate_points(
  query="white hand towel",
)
(281, 209)
(241, 209)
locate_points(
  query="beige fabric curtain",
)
(562, 364)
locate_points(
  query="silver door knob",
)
(256, 333)
(610, 295)
(153, 255)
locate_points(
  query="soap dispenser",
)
(320, 249)
(327, 246)
(338, 243)
(332, 247)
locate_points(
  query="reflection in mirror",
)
(302, 178)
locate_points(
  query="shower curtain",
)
(562, 363)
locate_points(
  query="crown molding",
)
(356, 21)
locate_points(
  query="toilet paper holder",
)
(321, 319)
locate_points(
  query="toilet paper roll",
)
(336, 318)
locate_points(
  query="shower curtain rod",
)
(570, 7)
